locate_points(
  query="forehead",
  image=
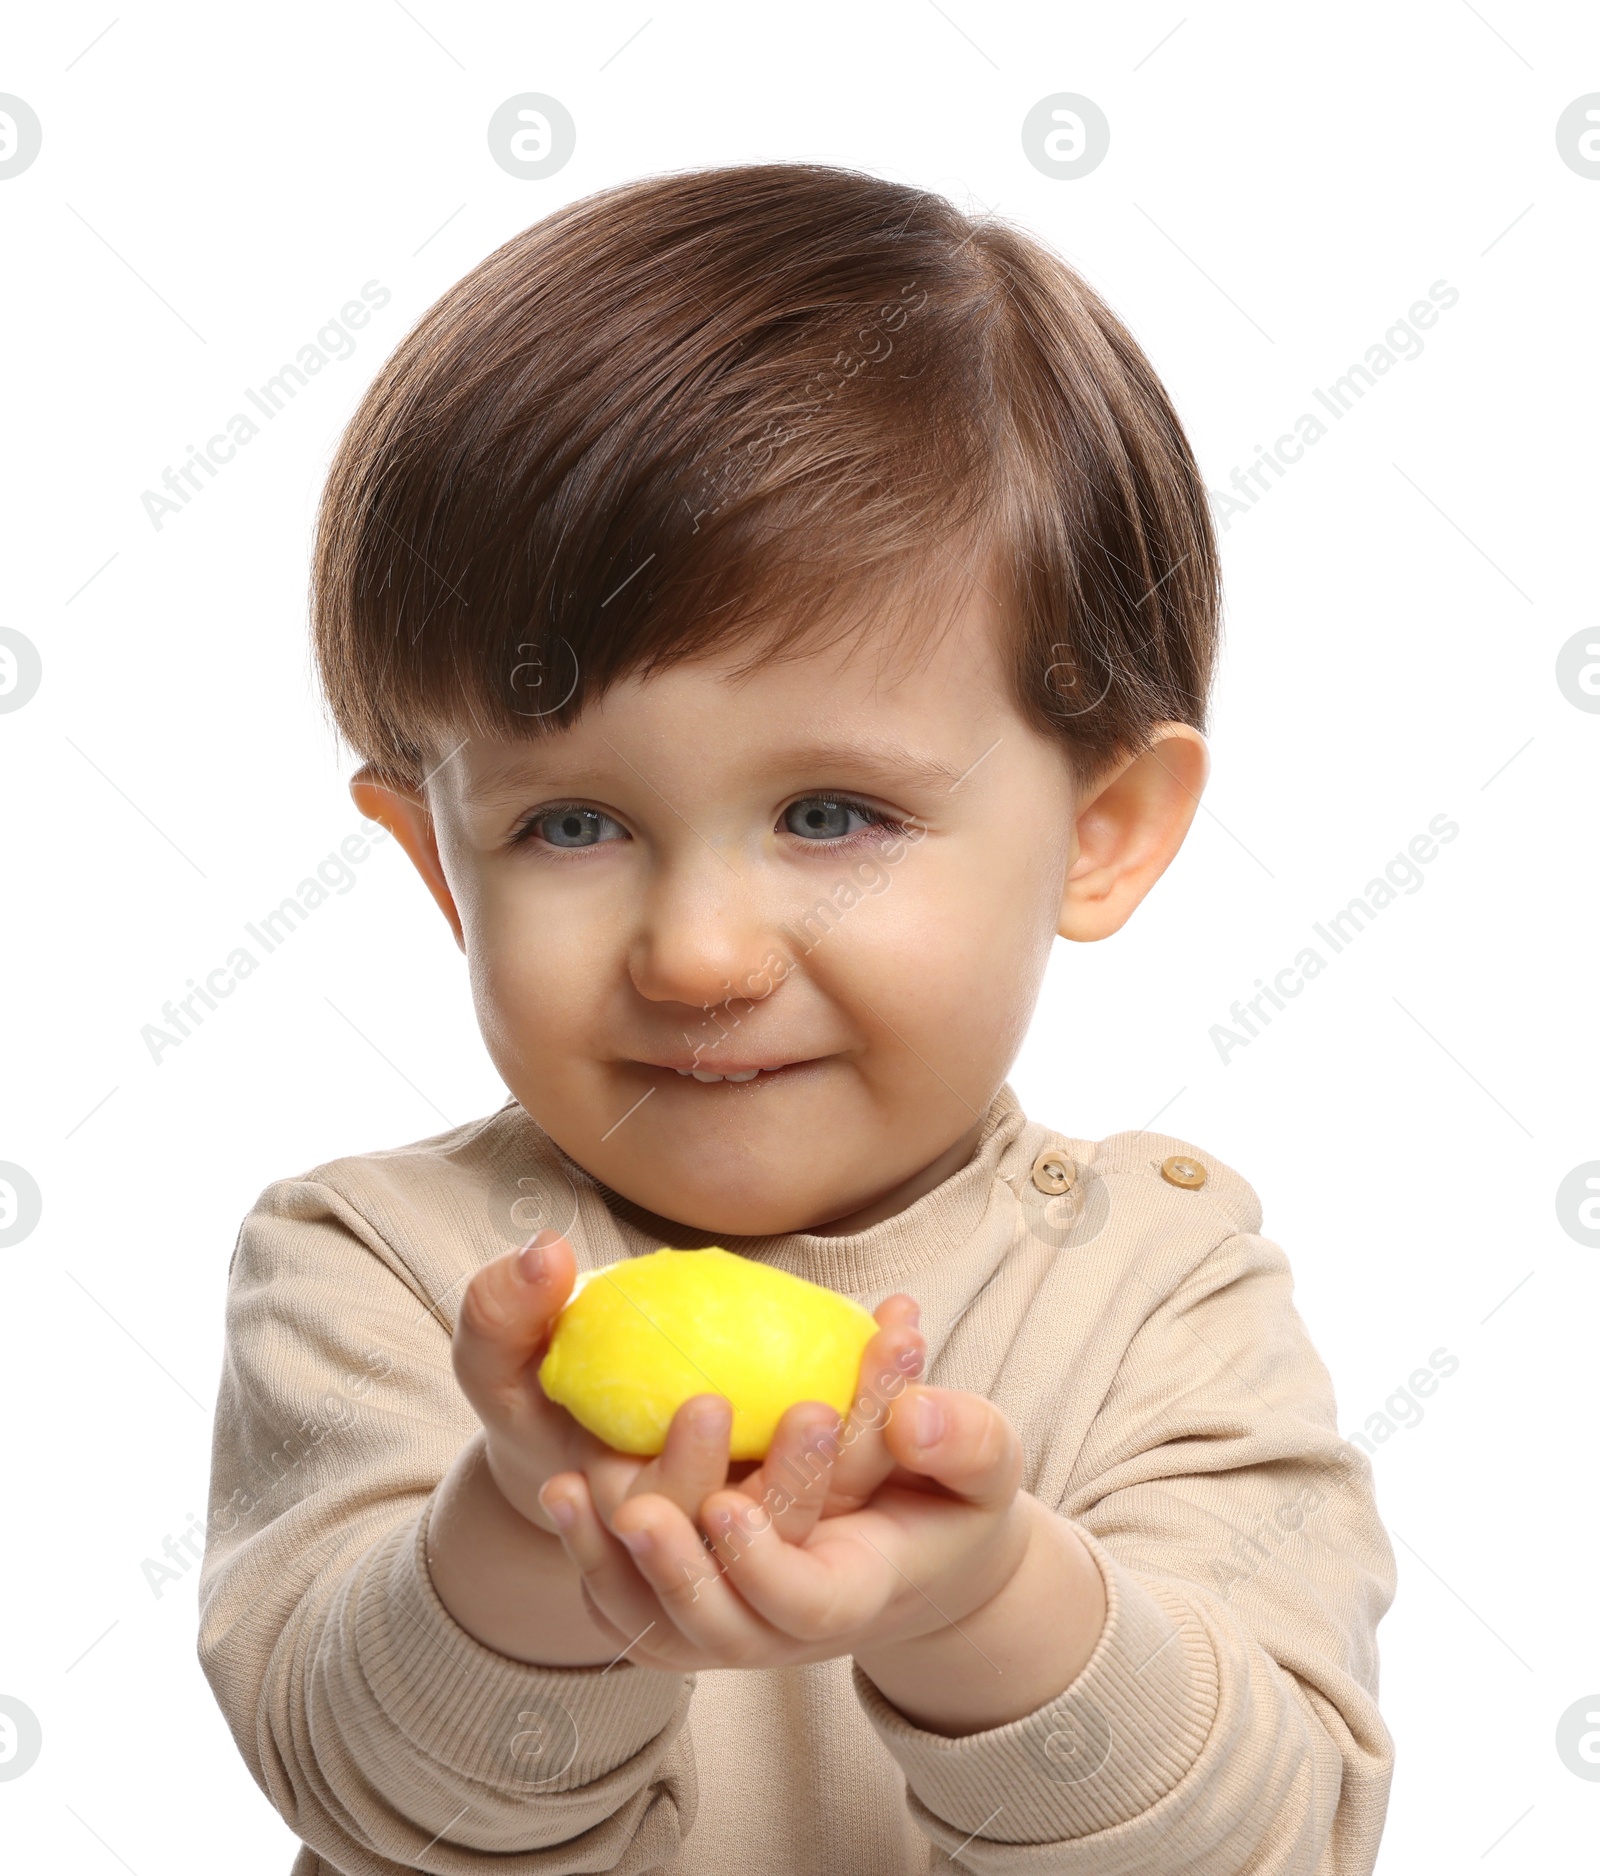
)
(903, 692)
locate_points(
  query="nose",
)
(702, 937)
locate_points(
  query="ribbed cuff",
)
(502, 1723)
(1107, 1750)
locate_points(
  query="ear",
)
(1128, 831)
(404, 812)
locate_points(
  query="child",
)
(771, 607)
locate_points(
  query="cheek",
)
(533, 965)
(953, 953)
(998, 951)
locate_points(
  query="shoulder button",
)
(1182, 1171)
(1054, 1172)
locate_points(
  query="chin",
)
(752, 1204)
(731, 1178)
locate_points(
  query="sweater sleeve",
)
(1228, 1721)
(385, 1735)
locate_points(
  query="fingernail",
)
(710, 1418)
(562, 1510)
(531, 1258)
(928, 1420)
(823, 1435)
(914, 1315)
(639, 1543)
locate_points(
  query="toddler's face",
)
(757, 952)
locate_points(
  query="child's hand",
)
(506, 1316)
(926, 1560)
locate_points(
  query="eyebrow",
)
(514, 776)
(888, 762)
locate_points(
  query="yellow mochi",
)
(639, 1338)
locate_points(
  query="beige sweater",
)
(1139, 1334)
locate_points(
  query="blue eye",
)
(819, 817)
(575, 827)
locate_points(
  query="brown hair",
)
(728, 406)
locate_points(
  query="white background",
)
(1281, 185)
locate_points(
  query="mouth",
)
(735, 1071)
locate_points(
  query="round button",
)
(1053, 1172)
(1180, 1170)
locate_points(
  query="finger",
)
(792, 1481)
(611, 1475)
(893, 1357)
(822, 1591)
(961, 1441)
(691, 1586)
(504, 1323)
(611, 1585)
(898, 1311)
(692, 1462)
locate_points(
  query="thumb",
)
(505, 1319)
(960, 1441)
